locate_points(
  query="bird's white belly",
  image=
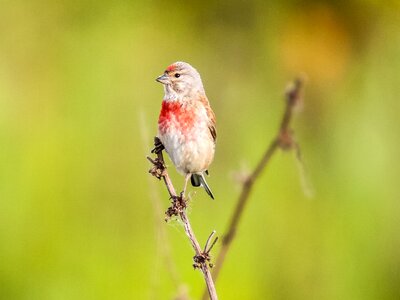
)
(192, 151)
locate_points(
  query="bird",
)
(187, 124)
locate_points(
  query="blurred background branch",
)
(283, 140)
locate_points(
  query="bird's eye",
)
(177, 75)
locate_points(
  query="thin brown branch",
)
(283, 140)
(178, 208)
(206, 248)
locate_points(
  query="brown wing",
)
(213, 132)
(211, 117)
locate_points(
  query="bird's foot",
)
(158, 146)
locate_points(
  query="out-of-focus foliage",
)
(78, 108)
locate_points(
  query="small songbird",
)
(186, 125)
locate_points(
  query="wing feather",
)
(211, 117)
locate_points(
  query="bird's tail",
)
(199, 180)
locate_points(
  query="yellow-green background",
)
(80, 218)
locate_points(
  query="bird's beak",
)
(163, 79)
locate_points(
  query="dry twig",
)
(283, 140)
(178, 208)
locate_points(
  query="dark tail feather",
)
(199, 180)
(195, 180)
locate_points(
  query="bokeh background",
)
(80, 218)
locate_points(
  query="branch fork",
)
(286, 140)
(204, 257)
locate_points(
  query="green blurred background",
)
(80, 218)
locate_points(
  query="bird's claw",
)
(158, 146)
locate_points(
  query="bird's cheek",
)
(179, 87)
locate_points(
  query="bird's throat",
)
(169, 93)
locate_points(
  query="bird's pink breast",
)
(173, 113)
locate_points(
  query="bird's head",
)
(180, 80)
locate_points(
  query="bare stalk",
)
(178, 208)
(283, 140)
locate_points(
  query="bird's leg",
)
(187, 177)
